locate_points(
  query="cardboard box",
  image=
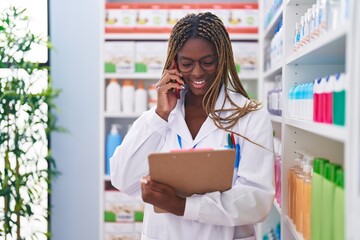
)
(119, 57)
(150, 57)
(246, 58)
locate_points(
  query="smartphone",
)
(177, 91)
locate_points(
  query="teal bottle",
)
(113, 140)
(316, 197)
(339, 100)
(339, 206)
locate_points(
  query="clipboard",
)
(195, 171)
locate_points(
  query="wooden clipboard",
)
(193, 171)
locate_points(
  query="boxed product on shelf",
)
(119, 56)
(151, 15)
(247, 17)
(123, 16)
(121, 236)
(150, 56)
(121, 208)
(245, 55)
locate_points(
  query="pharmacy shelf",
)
(165, 36)
(277, 207)
(138, 76)
(276, 119)
(107, 178)
(296, 235)
(269, 31)
(271, 73)
(298, 2)
(327, 49)
(121, 115)
(334, 132)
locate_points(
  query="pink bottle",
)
(328, 96)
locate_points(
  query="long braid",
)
(211, 28)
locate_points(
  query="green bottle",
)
(339, 100)
(328, 192)
(316, 197)
(339, 211)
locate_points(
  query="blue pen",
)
(237, 161)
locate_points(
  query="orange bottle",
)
(291, 186)
(307, 202)
(299, 182)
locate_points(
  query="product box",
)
(124, 17)
(246, 58)
(119, 57)
(119, 207)
(244, 18)
(151, 15)
(121, 236)
(150, 57)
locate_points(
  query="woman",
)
(200, 63)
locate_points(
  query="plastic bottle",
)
(291, 185)
(296, 37)
(278, 95)
(113, 140)
(339, 100)
(307, 202)
(291, 98)
(328, 96)
(310, 101)
(299, 201)
(316, 197)
(328, 193)
(140, 98)
(128, 94)
(339, 206)
(113, 96)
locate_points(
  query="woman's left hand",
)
(162, 196)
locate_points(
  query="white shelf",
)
(334, 132)
(277, 207)
(107, 178)
(165, 36)
(296, 235)
(327, 49)
(121, 115)
(300, 2)
(269, 31)
(139, 76)
(276, 119)
(277, 69)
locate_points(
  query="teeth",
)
(198, 82)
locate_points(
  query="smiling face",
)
(197, 61)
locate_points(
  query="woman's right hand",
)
(170, 81)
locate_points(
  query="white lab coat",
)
(212, 216)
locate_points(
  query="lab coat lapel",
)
(177, 122)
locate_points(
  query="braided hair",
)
(210, 27)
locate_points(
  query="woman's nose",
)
(197, 70)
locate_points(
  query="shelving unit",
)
(334, 51)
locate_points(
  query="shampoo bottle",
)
(339, 100)
(328, 193)
(113, 140)
(113, 97)
(316, 197)
(141, 100)
(339, 206)
(307, 202)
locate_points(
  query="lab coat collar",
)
(178, 125)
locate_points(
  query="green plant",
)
(26, 122)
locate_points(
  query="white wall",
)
(75, 30)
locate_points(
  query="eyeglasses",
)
(186, 65)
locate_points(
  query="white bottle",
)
(140, 98)
(128, 95)
(113, 99)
